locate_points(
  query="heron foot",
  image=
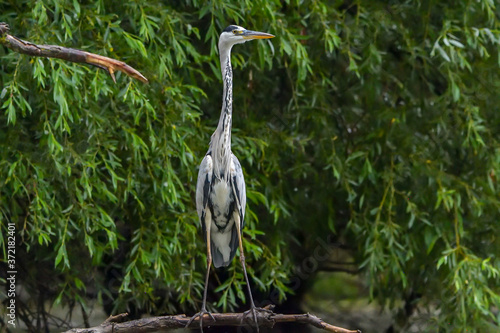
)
(200, 314)
(253, 310)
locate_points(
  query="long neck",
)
(221, 139)
(227, 78)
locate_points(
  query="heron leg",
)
(203, 310)
(253, 308)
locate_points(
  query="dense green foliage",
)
(373, 121)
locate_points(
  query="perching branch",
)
(64, 53)
(115, 324)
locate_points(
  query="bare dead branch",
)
(166, 323)
(119, 318)
(74, 55)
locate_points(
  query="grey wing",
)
(239, 188)
(203, 187)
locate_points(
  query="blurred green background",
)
(368, 132)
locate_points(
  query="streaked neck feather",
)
(220, 144)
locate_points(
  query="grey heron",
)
(220, 190)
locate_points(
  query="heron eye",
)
(235, 32)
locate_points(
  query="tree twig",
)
(166, 323)
(54, 51)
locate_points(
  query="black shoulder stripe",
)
(237, 194)
(206, 190)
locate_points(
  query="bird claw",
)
(200, 314)
(254, 311)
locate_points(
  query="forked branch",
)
(54, 51)
(165, 323)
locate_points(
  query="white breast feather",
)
(220, 197)
(221, 241)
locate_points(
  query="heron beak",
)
(249, 34)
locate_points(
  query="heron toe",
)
(254, 311)
(200, 314)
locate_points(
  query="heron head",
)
(235, 34)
